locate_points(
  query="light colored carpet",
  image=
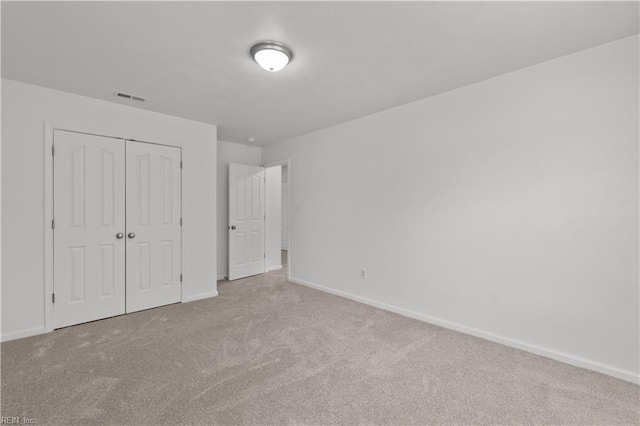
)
(270, 352)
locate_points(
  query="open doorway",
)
(273, 218)
(279, 239)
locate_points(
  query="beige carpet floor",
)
(266, 351)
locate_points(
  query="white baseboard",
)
(41, 330)
(201, 296)
(273, 268)
(22, 333)
(626, 375)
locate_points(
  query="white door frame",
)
(285, 162)
(49, 129)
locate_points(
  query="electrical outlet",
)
(363, 274)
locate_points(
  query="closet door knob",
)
(131, 235)
(119, 235)
(233, 227)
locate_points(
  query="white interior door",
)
(89, 214)
(246, 221)
(153, 237)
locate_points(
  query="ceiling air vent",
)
(131, 97)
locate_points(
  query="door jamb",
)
(49, 129)
(285, 162)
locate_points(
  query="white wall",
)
(25, 108)
(273, 223)
(507, 209)
(229, 153)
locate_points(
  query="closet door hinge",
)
(53, 150)
(53, 224)
(53, 298)
(180, 277)
(180, 221)
(180, 163)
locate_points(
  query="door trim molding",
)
(49, 128)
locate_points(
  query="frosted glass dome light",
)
(271, 55)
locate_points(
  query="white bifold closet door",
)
(153, 225)
(117, 233)
(88, 238)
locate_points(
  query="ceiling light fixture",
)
(271, 55)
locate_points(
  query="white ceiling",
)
(190, 59)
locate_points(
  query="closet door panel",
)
(89, 213)
(153, 194)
